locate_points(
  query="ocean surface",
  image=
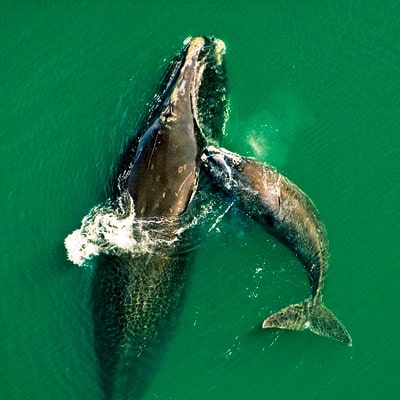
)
(314, 89)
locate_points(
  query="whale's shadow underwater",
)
(142, 236)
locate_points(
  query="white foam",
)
(107, 229)
(114, 230)
(79, 249)
(103, 230)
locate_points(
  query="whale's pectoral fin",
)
(307, 315)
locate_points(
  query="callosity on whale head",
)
(160, 169)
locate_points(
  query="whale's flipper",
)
(309, 315)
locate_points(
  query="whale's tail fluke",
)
(309, 315)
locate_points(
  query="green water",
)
(314, 89)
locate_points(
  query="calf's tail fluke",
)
(309, 315)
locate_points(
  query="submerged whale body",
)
(140, 234)
(287, 213)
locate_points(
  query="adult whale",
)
(136, 293)
(287, 213)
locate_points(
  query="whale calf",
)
(287, 213)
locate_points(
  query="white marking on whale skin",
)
(152, 151)
(182, 168)
(181, 89)
(184, 181)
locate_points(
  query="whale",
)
(137, 294)
(287, 213)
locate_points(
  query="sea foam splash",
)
(102, 230)
(112, 229)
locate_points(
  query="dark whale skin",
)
(137, 296)
(287, 213)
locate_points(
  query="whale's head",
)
(189, 110)
(222, 165)
(196, 78)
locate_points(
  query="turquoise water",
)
(314, 90)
